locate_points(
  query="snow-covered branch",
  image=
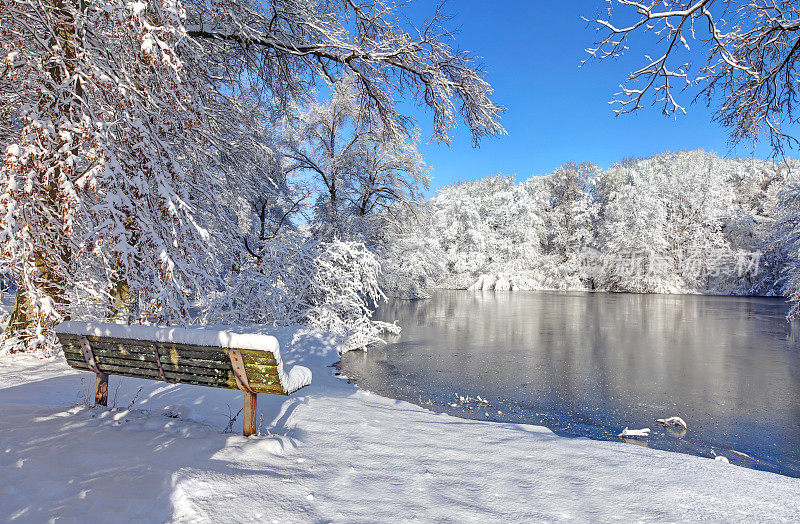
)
(741, 53)
(371, 42)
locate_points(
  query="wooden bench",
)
(220, 359)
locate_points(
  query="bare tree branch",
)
(296, 37)
(748, 50)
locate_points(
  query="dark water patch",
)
(591, 364)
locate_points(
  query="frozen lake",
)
(591, 364)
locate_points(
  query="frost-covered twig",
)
(231, 420)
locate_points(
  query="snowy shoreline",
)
(487, 282)
(332, 452)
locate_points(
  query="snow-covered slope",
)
(330, 453)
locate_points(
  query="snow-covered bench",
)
(220, 359)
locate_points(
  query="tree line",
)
(677, 222)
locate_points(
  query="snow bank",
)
(332, 453)
(296, 378)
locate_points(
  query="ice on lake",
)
(591, 364)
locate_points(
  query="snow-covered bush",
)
(343, 291)
(329, 286)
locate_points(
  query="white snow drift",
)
(330, 453)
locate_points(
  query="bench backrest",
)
(177, 363)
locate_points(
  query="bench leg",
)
(101, 391)
(250, 405)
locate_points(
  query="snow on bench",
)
(221, 359)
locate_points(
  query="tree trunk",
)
(45, 268)
(51, 282)
(120, 306)
(19, 320)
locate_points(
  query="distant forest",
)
(682, 222)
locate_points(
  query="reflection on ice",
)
(591, 364)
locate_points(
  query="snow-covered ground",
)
(331, 452)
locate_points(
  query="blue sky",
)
(557, 111)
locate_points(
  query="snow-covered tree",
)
(289, 45)
(569, 214)
(122, 112)
(570, 211)
(358, 166)
(412, 258)
(665, 215)
(788, 228)
(751, 223)
(676, 222)
(489, 231)
(748, 57)
(108, 149)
